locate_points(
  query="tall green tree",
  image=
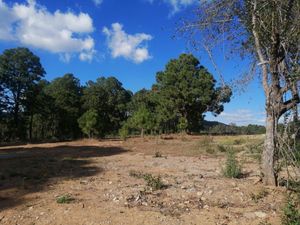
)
(142, 119)
(268, 32)
(108, 97)
(186, 90)
(20, 70)
(65, 93)
(88, 122)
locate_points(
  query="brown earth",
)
(104, 182)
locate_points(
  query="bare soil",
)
(100, 177)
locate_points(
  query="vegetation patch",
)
(291, 212)
(64, 199)
(151, 181)
(232, 169)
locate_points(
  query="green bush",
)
(64, 199)
(232, 169)
(154, 182)
(123, 132)
(291, 214)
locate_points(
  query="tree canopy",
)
(32, 108)
(186, 90)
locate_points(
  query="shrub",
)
(291, 214)
(64, 199)
(123, 132)
(232, 169)
(154, 182)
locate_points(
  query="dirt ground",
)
(103, 180)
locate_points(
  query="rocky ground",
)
(111, 182)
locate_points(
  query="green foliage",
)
(63, 109)
(109, 99)
(232, 169)
(124, 132)
(291, 212)
(64, 199)
(142, 119)
(20, 70)
(187, 90)
(88, 122)
(65, 94)
(151, 181)
(182, 124)
(222, 129)
(154, 182)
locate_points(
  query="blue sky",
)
(130, 40)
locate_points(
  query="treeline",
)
(32, 108)
(232, 129)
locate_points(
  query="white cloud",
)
(177, 5)
(34, 26)
(241, 117)
(97, 2)
(7, 18)
(125, 45)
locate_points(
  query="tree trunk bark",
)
(142, 133)
(270, 177)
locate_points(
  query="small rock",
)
(260, 214)
(110, 182)
(200, 193)
(83, 181)
(206, 207)
(203, 199)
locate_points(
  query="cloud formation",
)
(177, 5)
(125, 45)
(34, 26)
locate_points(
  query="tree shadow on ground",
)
(29, 170)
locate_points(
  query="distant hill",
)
(215, 127)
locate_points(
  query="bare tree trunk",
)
(142, 133)
(270, 177)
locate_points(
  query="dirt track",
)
(99, 177)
